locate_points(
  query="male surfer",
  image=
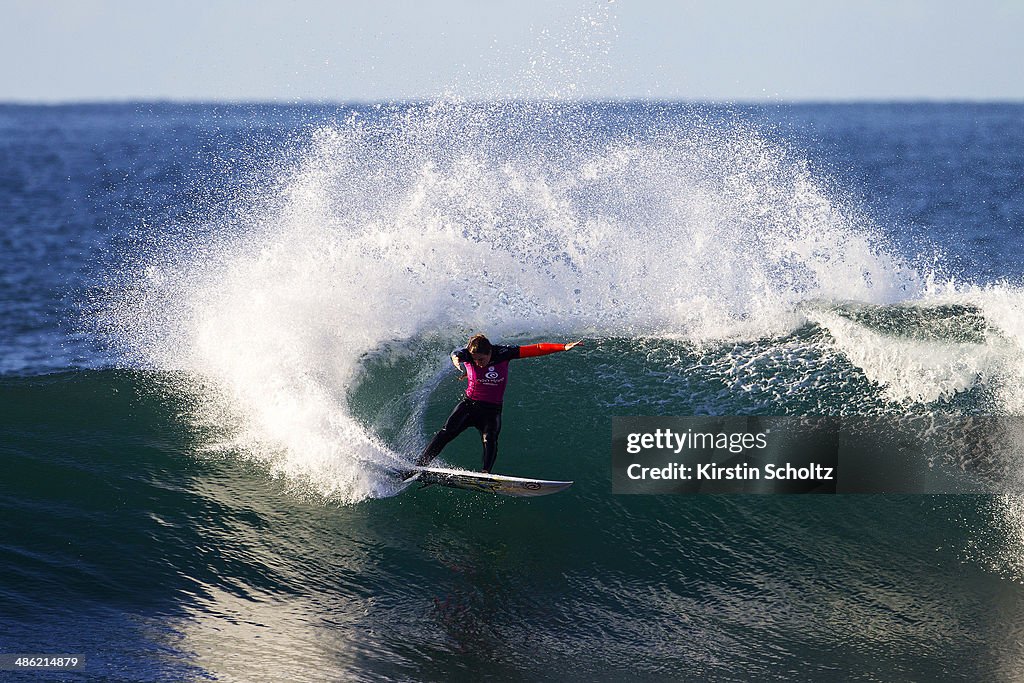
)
(486, 368)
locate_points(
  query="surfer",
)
(485, 366)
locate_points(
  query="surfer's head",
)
(479, 348)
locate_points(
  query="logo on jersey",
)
(491, 374)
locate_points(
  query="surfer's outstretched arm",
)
(533, 350)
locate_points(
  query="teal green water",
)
(111, 511)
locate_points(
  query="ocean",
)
(223, 326)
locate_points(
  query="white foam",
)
(448, 219)
(911, 369)
(1002, 306)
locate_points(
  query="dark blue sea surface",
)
(222, 326)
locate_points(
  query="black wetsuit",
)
(484, 415)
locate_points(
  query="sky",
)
(338, 51)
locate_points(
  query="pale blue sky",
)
(75, 50)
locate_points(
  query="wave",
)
(397, 232)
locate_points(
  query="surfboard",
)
(487, 483)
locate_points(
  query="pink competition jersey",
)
(487, 384)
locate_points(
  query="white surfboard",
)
(487, 483)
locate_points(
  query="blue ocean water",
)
(221, 324)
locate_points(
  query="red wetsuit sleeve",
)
(531, 350)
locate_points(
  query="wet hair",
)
(478, 343)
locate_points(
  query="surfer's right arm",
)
(457, 362)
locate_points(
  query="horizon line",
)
(419, 101)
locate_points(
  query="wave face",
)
(126, 544)
(402, 230)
